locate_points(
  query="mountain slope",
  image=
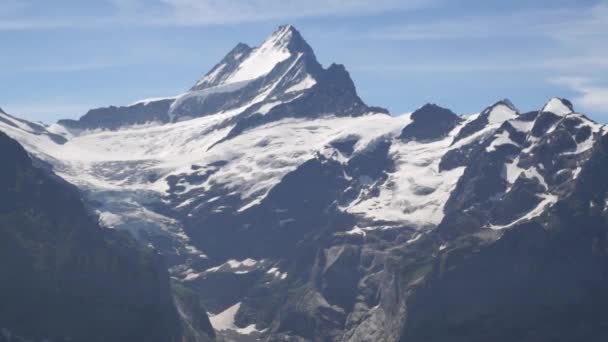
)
(523, 256)
(64, 278)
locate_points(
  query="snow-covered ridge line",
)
(165, 147)
(558, 106)
(264, 58)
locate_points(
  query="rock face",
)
(67, 279)
(115, 117)
(430, 122)
(296, 212)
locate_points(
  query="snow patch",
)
(356, 231)
(225, 320)
(576, 172)
(557, 107)
(503, 138)
(547, 201)
(522, 126)
(109, 219)
(236, 266)
(306, 83)
(414, 239)
(264, 58)
(154, 99)
(416, 167)
(532, 173)
(501, 113)
(274, 271)
(512, 171)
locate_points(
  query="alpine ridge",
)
(248, 83)
(297, 212)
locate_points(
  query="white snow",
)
(109, 219)
(247, 262)
(236, 266)
(277, 273)
(260, 158)
(582, 146)
(414, 239)
(532, 173)
(212, 75)
(501, 113)
(512, 171)
(123, 162)
(190, 275)
(356, 231)
(154, 99)
(557, 107)
(416, 192)
(225, 320)
(201, 95)
(264, 58)
(266, 107)
(503, 138)
(306, 83)
(576, 172)
(522, 126)
(547, 201)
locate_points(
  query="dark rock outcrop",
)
(430, 122)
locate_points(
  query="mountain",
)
(297, 212)
(67, 279)
(280, 78)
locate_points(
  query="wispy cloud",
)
(542, 63)
(203, 12)
(592, 96)
(569, 36)
(467, 27)
(229, 11)
(579, 27)
(560, 24)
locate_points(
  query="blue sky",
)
(60, 58)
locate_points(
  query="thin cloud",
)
(230, 11)
(570, 36)
(572, 63)
(590, 25)
(210, 12)
(560, 24)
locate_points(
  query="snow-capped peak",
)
(280, 38)
(264, 58)
(558, 106)
(501, 111)
(245, 64)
